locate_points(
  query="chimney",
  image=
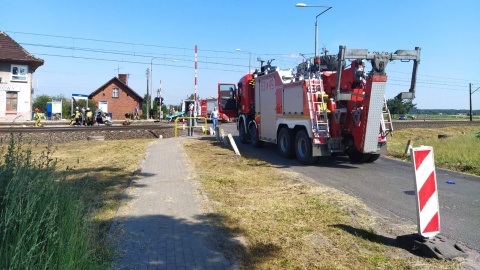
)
(123, 78)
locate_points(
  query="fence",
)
(192, 127)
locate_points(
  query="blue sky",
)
(84, 43)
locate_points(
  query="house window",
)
(12, 98)
(115, 92)
(19, 73)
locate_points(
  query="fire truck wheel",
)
(285, 143)
(303, 148)
(241, 132)
(254, 136)
(373, 157)
(357, 156)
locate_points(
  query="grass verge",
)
(287, 223)
(57, 202)
(459, 151)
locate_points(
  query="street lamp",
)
(316, 21)
(249, 58)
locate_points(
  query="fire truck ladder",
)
(318, 109)
(386, 122)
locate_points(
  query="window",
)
(12, 98)
(115, 92)
(19, 73)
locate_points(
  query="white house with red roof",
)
(16, 69)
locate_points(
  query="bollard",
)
(408, 147)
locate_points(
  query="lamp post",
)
(316, 21)
(249, 58)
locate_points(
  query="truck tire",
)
(285, 143)
(241, 132)
(303, 148)
(254, 136)
(358, 157)
(373, 157)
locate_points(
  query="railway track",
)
(431, 124)
(60, 131)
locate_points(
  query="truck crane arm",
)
(379, 62)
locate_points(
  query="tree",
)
(40, 102)
(398, 106)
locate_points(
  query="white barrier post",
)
(426, 191)
(233, 144)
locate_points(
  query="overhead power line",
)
(421, 79)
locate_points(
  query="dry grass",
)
(290, 224)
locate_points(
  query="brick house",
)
(16, 70)
(118, 97)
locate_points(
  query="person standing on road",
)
(214, 119)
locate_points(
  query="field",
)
(458, 150)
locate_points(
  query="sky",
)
(87, 43)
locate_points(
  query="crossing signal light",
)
(159, 101)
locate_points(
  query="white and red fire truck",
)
(324, 109)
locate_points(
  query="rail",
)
(176, 126)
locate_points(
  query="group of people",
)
(87, 117)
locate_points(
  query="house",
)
(117, 98)
(16, 70)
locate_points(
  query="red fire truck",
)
(226, 103)
(325, 108)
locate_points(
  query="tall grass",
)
(42, 223)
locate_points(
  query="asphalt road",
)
(387, 186)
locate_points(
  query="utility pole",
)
(471, 114)
(471, 118)
(148, 103)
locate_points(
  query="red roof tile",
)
(11, 51)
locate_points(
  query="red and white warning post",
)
(426, 191)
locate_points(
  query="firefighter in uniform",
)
(89, 117)
(37, 118)
(76, 119)
(127, 119)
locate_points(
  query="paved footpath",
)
(160, 224)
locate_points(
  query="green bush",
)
(42, 224)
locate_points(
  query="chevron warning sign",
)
(426, 191)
